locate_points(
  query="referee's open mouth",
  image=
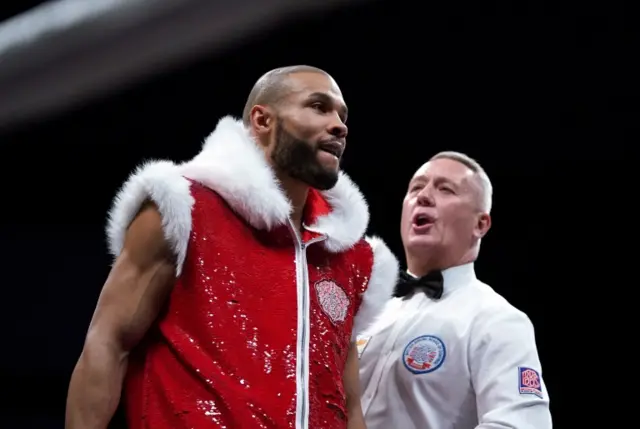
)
(423, 221)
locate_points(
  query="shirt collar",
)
(456, 277)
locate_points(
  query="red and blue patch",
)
(530, 382)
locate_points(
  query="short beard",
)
(299, 159)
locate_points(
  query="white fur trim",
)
(232, 164)
(384, 276)
(162, 183)
(349, 217)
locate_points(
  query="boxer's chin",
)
(324, 179)
(328, 160)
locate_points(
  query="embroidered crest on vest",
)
(333, 300)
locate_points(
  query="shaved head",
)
(273, 86)
(297, 115)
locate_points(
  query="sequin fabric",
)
(223, 354)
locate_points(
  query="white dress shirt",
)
(468, 360)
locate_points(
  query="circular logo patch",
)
(424, 354)
(333, 300)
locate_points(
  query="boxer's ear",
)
(262, 120)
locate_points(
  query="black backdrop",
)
(543, 96)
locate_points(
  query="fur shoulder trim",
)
(162, 183)
(232, 164)
(383, 279)
(349, 217)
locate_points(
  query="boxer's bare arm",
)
(351, 381)
(132, 296)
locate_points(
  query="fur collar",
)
(231, 164)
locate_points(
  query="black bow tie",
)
(432, 284)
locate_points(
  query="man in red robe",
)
(241, 277)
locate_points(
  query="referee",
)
(448, 352)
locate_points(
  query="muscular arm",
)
(131, 298)
(352, 389)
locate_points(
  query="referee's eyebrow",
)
(415, 180)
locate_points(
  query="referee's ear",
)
(483, 225)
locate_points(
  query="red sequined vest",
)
(254, 320)
(256, 331)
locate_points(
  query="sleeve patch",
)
(529, 382)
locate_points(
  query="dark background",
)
(544, 96)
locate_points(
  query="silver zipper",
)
(302, 349)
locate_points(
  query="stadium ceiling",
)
(63, 52)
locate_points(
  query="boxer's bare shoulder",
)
(138, 284)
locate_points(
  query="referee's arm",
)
(507, 375)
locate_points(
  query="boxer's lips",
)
(334, 148)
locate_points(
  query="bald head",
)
(273, 86)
